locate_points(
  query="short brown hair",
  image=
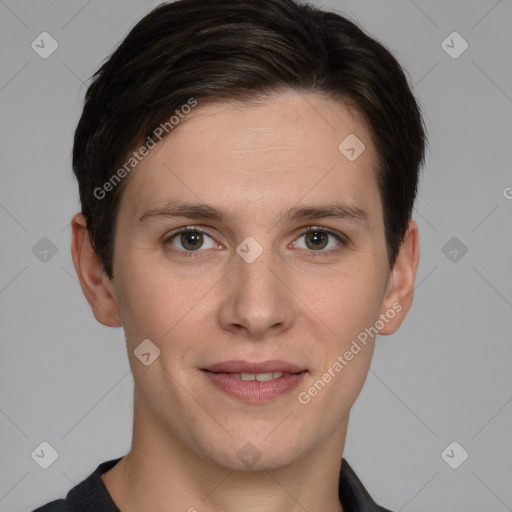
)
(241, 50)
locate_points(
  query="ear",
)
(400, 289)
(96, 286)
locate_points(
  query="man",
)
(247, 172)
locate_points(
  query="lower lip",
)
(253, 391)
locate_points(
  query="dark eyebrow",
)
(205, 211)
(330, 211)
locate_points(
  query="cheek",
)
(158, 301)
(348, 301)
(348, 306)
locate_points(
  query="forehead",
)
(255, 155)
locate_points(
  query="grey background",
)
(444, 376)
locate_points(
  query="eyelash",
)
(344, 241)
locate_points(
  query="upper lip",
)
(248, 367)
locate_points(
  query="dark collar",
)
(353, 495)
(91, 494)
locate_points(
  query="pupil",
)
(317, 237)
(190, 240)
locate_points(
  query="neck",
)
(161, 473)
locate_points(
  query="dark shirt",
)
(91, 495)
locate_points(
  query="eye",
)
(317, 239)
(190, 239)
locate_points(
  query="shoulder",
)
(53, 506)
(90, 494)
(352, 493)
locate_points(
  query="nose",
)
(257, 302)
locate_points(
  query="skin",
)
(257, 161)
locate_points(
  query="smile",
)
(255, 387)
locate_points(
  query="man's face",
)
(211, 297)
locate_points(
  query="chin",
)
(254, 453)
